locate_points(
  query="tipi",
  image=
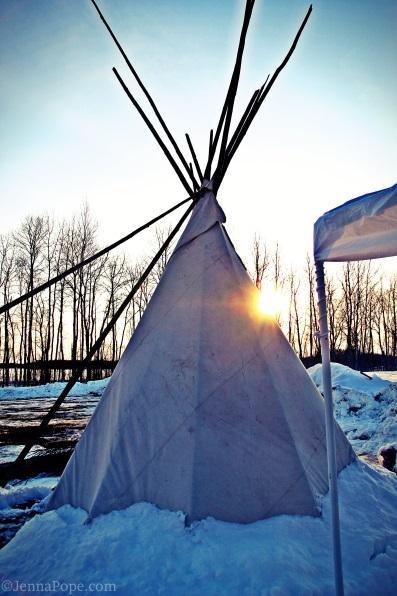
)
(209, 410)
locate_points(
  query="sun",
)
(270, 302)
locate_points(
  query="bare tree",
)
(261, 261)
(29, 240)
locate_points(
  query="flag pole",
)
(330, 427)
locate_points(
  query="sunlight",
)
(270, 302)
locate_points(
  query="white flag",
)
(363, 228)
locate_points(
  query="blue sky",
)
(68, 134)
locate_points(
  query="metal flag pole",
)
(330, 428)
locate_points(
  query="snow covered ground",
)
(145, 551)
(366, 408)
(53, 390)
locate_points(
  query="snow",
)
(365, 408)
(20, 501)
(144, 550)
(53, 390)
(20, 492)
(347, 378)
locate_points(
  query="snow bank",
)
(53, 390)
(143, 550)
(20, 492)
(20, 501)
(365, 408)
(347, 378)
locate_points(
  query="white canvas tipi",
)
(209, 410)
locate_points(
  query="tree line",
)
(59, 325)
(361, 303)
(43, 338)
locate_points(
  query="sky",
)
(68, 134)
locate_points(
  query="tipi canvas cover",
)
(209, 410)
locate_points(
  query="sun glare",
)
(270, 302)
